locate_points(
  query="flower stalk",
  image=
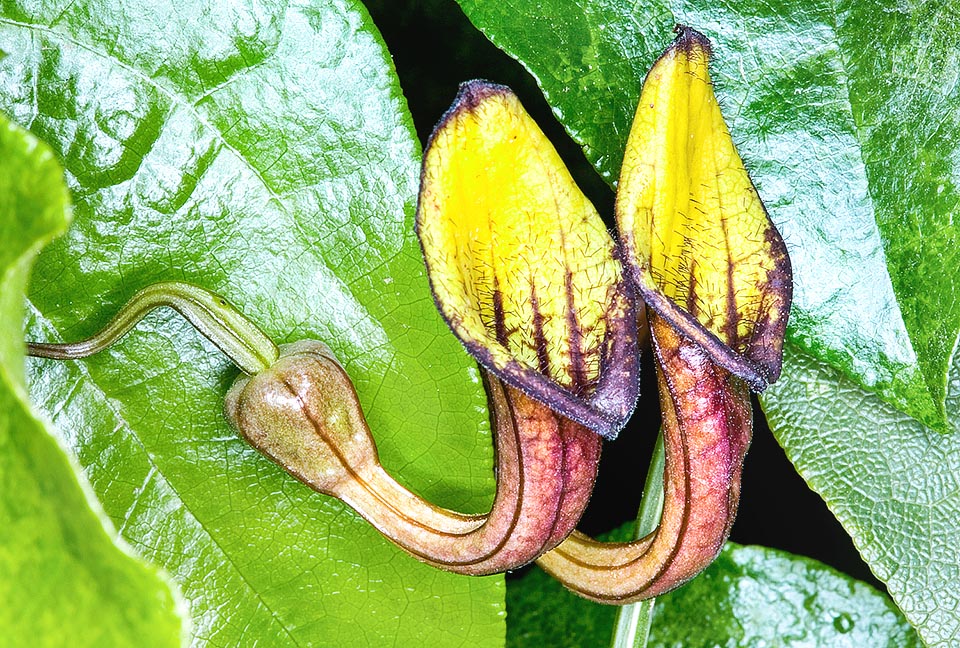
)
(212, 315)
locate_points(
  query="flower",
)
(521, 265)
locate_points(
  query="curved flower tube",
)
(299, 407)
(304, 414)
(715, 276)
(707, 421)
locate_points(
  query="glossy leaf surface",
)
(263, 152)
(846, 116)
(894, 484)
(63, 580)
(749, 596)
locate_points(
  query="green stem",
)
(632, 629)
(236, 336)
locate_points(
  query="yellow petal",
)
(521, 266)
(697, 240)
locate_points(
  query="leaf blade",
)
(64, 580)
(890, 481)
(906, 127)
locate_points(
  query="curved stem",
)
(299, 407)
(632, 628)
(706, 425)
(236, 336)
(304, 414)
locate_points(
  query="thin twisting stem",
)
(212, 315)
(632, 629)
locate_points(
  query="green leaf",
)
(265, 152)
(847, 117)
(63, 581)
(751, 596)
(894, 484)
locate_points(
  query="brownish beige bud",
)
(304, 414)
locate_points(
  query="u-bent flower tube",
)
(716, 278)
(297, 406)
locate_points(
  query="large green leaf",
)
(63, 581)
(751, 596)
(894, 484)
(848, 117)
(263, 151)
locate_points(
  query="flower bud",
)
(304, 414)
